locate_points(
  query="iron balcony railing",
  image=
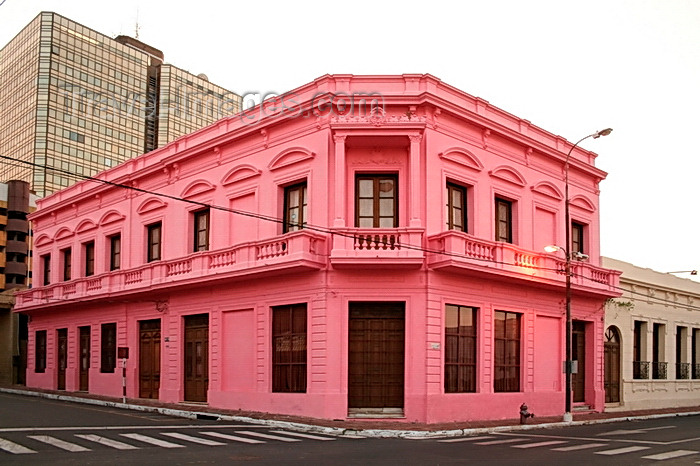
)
(696, 371)
(682, 370)
(659, 370)
(640, 369)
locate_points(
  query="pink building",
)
(364, 246)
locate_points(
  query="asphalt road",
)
(40, 431)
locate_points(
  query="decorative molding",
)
(462, 157)
(150, 205)
(85, 225)
(240, 173)
(162, 306)
(379, 118)
(266, 137)
(42, 240)
(197, 187)
(435, 116)
(508, 174)
(290, 156)
(111, 217)
(415, 138)
(63, 233)
(485, 138)
(547, 189)
(582, 202)
(339, 139)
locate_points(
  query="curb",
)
(336, 431)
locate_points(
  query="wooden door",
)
(62, 357)
(196, 357)
(376, 355)
(84, 359)
(612, 366)
(578, 353)
(149, 358)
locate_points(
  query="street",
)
(40, 431)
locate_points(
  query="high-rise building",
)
(16, 201)
(74, 102)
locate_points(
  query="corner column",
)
(339, 181)
(415, 179)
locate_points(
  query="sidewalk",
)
(354, 427)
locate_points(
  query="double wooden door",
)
(149, 358)
(196, 357)
(376, 355)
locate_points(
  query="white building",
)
(652, 350)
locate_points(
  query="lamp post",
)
(568, 254)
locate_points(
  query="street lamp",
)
(567, 253)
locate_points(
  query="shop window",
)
(506, 352)
(108, 348)
(460, 349)
(289, 348)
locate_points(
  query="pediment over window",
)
(42, 240)
(240, 173)
(85, 225)
(582, 202)
(290, 156)
(63, 233)
(150, 205)
(462, 157)
(197, 187)
(508, 174)
(111, 217)
(547, 189)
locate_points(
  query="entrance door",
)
(612, 366)
(62, 356)
(84, 358)
(376, 355)
(149, 358)
(578, 353)
(196, 357)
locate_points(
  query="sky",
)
(570, 67)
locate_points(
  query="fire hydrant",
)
(524, 414)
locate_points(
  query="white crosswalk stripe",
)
(540, 444)
(583, 446)
(14, 448)
(299, 434)
(62, 444)
(499, 442)
(466, 439)
(620, 451)
(235, 438)
(107, 441)
(189, 438)
(267, 436)
(152, 441)
(670, 454)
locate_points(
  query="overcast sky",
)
(570, 67)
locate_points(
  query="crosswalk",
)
(83, 442)
(609, 449)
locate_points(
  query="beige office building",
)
(74, 102)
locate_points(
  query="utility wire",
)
(318, 228)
